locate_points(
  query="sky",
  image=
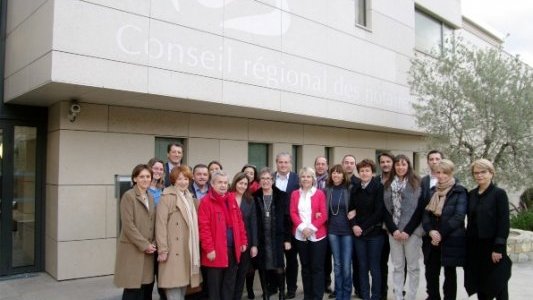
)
(513, 17)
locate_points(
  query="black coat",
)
(451, 226)
(490, 213)
(369, 207)
(487, 232)
(281, 226)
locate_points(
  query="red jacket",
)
(212, 227)
(319, 212)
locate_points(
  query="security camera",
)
(74, 110)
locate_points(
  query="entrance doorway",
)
(21, 198)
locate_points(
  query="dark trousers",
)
(503, 295)
(291, 269)
(276, 279)
(242, 270)
(355, 273)
(160, 291)
(142, 293)
(433, 265)
(385, 252)
(328, 267)
(312, 256)
(221, 281)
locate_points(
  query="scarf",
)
(397, 187)
(436, 203)
(194, 241)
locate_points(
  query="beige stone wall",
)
(83, 157)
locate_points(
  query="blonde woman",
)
(309, 216)
(177, 236)
(488, 267)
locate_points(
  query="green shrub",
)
(523, 220)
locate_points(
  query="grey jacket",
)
(411, 211)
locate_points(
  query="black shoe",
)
(290, 295)
(333, 295)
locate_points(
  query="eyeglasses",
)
(484, 172)
(266, 178)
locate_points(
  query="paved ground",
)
(42, 286)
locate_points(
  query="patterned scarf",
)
(436, 203)
(397, 187)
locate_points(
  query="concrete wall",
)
(84, 156)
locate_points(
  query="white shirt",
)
(432, 181)
(305, 213)
(282, 181)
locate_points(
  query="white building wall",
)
(218, 73)
(287, 57)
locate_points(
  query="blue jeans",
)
(368, 251)
(341, 248)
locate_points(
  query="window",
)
(258, 155)
(328, 152)
(361, 12)
(430, 33)
(296, 158)
(161, 144)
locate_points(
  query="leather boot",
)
(281, 285)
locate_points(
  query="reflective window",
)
(360, 12)
(258, 155)
(24, 171)
(430, 33)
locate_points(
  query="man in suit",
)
(199, 185)
(174, 156)
(287, 181)
(385, 164)
(348, 165)
(429, 181)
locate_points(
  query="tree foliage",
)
(476, 103)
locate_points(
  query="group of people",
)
(204, 236)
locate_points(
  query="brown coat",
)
(172, 236)
(132, 266)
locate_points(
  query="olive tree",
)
(476, 103)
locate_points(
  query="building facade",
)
(234, 81)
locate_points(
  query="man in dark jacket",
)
(287, 181)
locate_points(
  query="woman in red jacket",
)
(222, 237)
(309, 216)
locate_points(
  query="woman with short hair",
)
(367, 201)
(445, 242)
(488, 267)
(309, 217)
(177, 236)
(273, 233)
(222, 237)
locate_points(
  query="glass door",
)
(21, 200)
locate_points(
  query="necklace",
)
(269, 206)
(338, 202)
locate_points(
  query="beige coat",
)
(132, 266)
(172, 236)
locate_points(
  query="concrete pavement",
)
(42, 286)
